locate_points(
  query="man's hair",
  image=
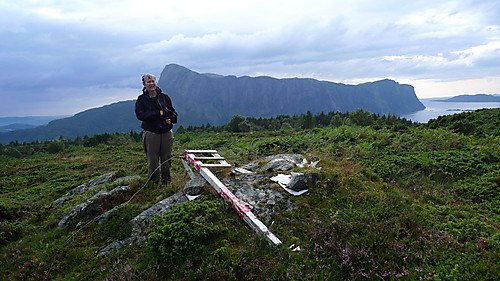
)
(147, 76)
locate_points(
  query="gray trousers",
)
(158, 148)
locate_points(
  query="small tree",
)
(307, 120)
(233, 125)
(337, 121)
(245, 126)
(361, 117)
(55, 147)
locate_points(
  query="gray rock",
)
(91, 185)
(294, 158)
(301, 181)
(251, 166)
(144, 221)
(91, 206)
(255, 191)
(282, 162)
(195, 186)
(145, 218)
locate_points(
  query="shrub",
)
(55, 147)
(117, 226)
(185, 232)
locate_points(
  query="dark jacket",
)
(147, 110)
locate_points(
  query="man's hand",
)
(168, 121)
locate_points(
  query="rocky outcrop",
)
(94, 204)
(81, 189)
(251, 183)
(143, 221)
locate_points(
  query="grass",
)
(392, 204)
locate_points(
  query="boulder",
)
(301, 181)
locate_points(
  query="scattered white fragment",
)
(282, 179)
(303, 164)
(191, 197)
(242, 171)
(296, 249)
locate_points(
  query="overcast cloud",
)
(62, 57)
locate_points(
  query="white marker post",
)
(240, 208)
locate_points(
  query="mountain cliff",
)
(209, 98)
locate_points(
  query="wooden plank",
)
(209, 158)
(222, 161)
(201, 151)
(216, 165)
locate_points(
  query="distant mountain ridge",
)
(30, 120)
(210, 98)
(474, 98)
(116, 117)
(16, 126)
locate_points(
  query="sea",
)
(435, 108)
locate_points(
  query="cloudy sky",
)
(62, 57)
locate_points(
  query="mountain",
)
(16, 126)
(209, 98)
(473, 98)
(29, 120)
(116, 117)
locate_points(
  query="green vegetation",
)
(395, 201)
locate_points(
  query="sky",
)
(63, 57)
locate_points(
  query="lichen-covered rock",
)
(282, 162)
(92, 206)
(81, 189)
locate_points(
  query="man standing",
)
(154, 108)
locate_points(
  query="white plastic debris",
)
(191, 197)
(294, 249)
(283, 181)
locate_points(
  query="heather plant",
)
(185, 232)
(117, 226)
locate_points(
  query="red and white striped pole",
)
(240, 208)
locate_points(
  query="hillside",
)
(117, 117)
(214, 99)
(15, 126)
(394, 201)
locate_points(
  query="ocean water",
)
(434, 109)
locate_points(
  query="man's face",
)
(150, 84)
